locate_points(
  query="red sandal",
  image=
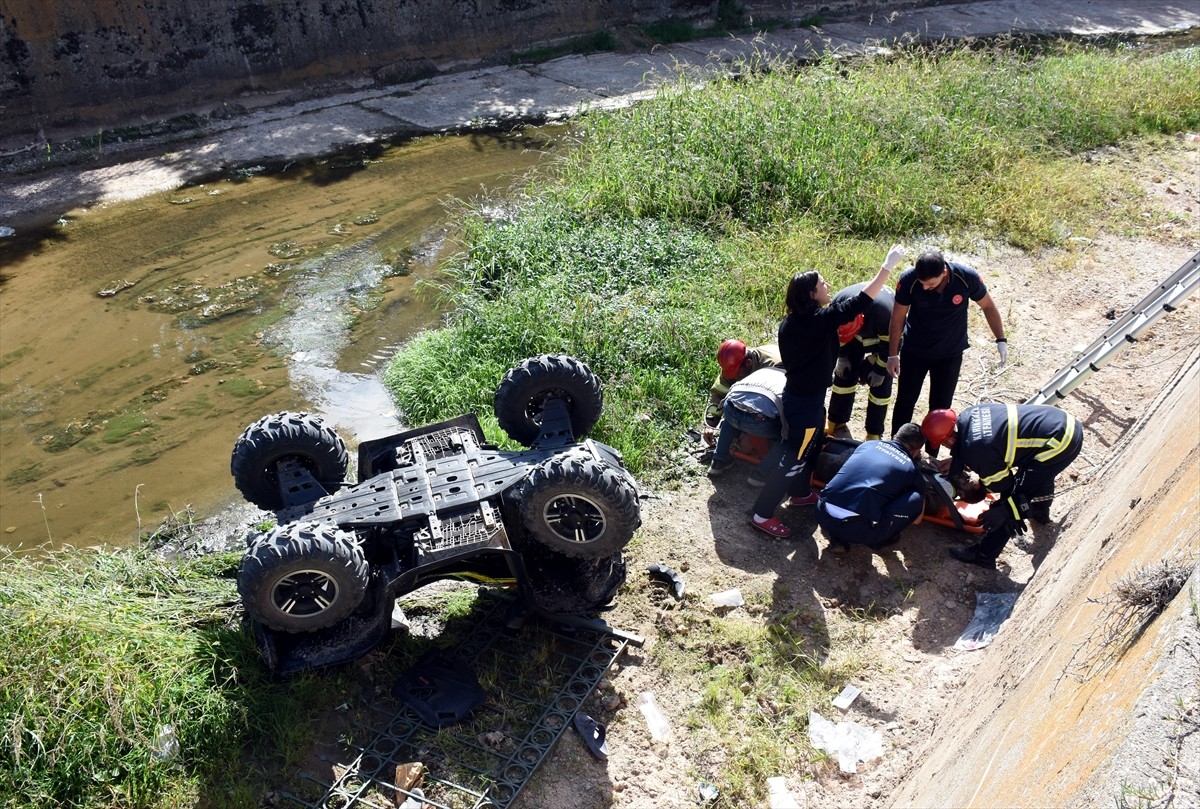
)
(772, 527)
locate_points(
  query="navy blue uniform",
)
(1015, 450)
(934, 339)
(862, 361)
(873, 497)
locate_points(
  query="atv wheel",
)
(579, 507)
(302, 577)
(524, 391)
(298, 437)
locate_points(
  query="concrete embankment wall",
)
(74, 62)
(1060, 713)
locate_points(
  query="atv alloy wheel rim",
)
(575, 518)
(304, 593)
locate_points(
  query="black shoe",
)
(972, 556)
(1040, 512)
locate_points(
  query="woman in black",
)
(808, 345)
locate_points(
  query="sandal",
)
(772, 527)
(593, 734)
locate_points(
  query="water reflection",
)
(138, 339)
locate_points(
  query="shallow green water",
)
(137, 340)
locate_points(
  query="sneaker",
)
(756, 480)
(718, 467)
(772, 527)
(809, 500)
(972, 556)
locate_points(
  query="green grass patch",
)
(677, 223)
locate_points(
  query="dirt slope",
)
(1000, 726)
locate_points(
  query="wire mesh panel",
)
(534, 676)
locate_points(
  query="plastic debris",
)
(660, 730)
(849, 694)
(848, 742)
(780, 796)
(708, 792)
(664, 573)
(166, 743)
(5, 232)
(991, 610)
(727, 598)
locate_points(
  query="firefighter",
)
(862, 360)
(876, 494)
(1017, 451)
(736, 362)
(929, 319)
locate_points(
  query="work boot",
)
(718, 467)
(1040, 511)
(972, 556)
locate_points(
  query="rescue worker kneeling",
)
(1017, 451)
(876, 494)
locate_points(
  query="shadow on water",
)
(138, 339)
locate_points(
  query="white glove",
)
(893, 366)
(894, 257)
(841, 368)
(875, 378)
(1002, 348)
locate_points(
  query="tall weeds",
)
(675, 224)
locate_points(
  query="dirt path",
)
(910, 603)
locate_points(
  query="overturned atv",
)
(435, 502)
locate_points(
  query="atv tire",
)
(302, 577)
(524, 391)
(579, 507)
(298, 437)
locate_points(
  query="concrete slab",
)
(461, 101)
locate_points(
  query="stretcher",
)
(941, 507)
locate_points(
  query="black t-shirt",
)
(936, 326)
(808, 343)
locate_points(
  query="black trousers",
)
(943, 381)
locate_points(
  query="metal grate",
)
(536, 677)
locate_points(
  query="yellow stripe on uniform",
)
(1055, 447)
(1010, 451)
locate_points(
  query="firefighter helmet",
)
(938, 426)
(730, 357)
(847, 331)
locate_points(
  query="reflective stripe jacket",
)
(873, 336)
(988, 444)
(762, 357)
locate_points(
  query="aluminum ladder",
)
(1125, 330)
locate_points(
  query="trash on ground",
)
(849, 694)
(5, 232)
(780, 796)
(399, 619)
(727, 598)
(593, 734)
(668, 575)
(439, 689)
(848, 742)
(660, 730)
(991, 610)
(166, 743)
(409, 776)
(708, 792)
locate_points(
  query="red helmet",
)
(938, 426)
(846, 331)
(730, 357)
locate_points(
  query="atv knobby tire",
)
(302, 577)
(298, 437)
(579, 507)
(524, 391)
